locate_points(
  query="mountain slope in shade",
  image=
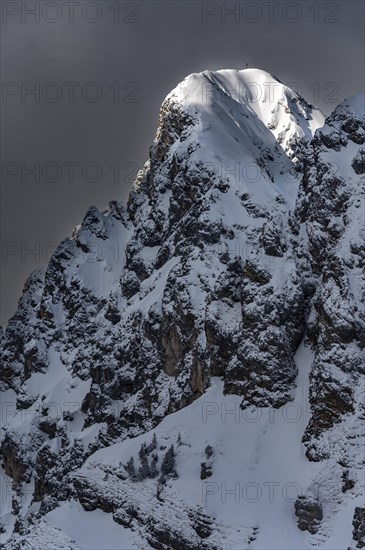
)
(241, 238)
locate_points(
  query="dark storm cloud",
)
(134, 57)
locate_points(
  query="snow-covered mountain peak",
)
(245, 127)
(249, 97)
(239, 249)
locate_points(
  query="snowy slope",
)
(258, 470)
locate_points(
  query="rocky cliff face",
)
(331, 208)
(242, 236)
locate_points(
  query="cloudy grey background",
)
(148, 48)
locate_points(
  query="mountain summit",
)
(204, 341)
(251, 94)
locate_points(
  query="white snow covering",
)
(278, 107)
(93, 530)
(259, 469)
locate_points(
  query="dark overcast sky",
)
(143, 52)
